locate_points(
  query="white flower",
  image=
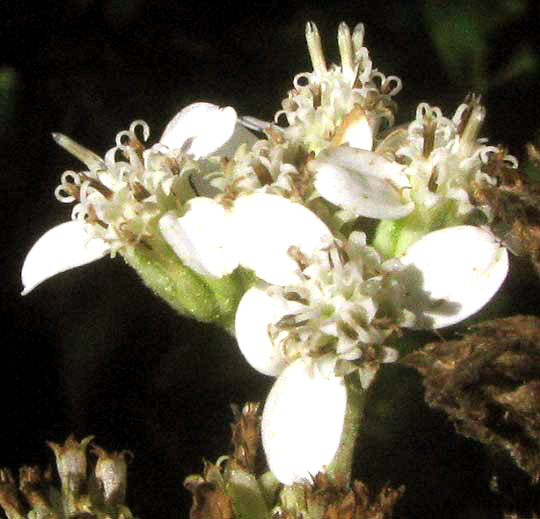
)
(318, 106)
(256, 232)
(335, 318)
(440, 162)
(444, 158)
(118, 201)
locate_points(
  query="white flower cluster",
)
(324, 99)
(291, 208)
(444, 157)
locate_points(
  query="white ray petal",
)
(204, 129)
(362, 182)
(302, 423)
(454, 273)
(200, 238)
(256, 312)
(266, 226)
(61, 248)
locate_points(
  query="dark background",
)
(92, 351)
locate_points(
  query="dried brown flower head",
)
(488, 383)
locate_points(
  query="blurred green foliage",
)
(462, 31)
(8, 83)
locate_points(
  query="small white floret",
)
(256, 312)
(453, 273)
(61, 248)
(362, 182)
(200, 238)
(266, 226)
(302, 422)
(204, 129)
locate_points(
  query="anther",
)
(139, 191)
(430, 125)
(99, 187)
(433, 180)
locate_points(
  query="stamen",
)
(145, 128)
(99, 187)
(430, 125)
(139, 191)
(192, 185)
(315, 48)
(67, 193)
(123, 139)
(433, 180)
(391, 86)
(87, 157)
(263, 175)
(92, 217)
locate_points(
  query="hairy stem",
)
(341, 467)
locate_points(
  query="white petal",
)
(256, 312)
(302, 423)
(200, 238)
(204, 129)
(61, 248)
(454, 272)
(266, 226)
(362, 182)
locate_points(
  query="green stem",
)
(341, 467)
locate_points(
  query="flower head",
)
(324, 303)
(344, 103)
(337, 316)
(444, 158)
(120, 198)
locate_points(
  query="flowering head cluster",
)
(336, 316)
(349, 230)
(329, 104)
(93, 488)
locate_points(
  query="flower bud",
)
(111, 475)
(9, 500)
(71, 464)
(35, 485)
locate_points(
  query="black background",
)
(92, 351)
